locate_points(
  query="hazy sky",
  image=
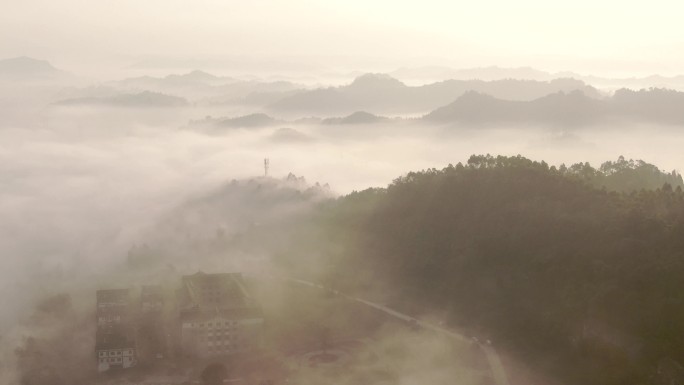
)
(585, 35)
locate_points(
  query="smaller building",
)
(114, 349)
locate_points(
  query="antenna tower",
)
(267, 165)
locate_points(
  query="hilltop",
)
(139, 100)
(24, 68)
(566, 109)
(382, 94)
(551, 264)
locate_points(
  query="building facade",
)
(211, 315)
(113, 308)
(114, 338)
(218, 316)
(114, 350)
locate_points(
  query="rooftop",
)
(223, 294)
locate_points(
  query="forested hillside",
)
(578, 270)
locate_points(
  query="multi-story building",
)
(115, 349)
(114, 344)
(153, 340)
(113, 308)
(218, 316)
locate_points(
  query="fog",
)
(74, 199)
(529, 32)
(135, 155)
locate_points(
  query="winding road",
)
(495, 365)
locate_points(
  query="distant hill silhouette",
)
(26, 69)
(252, 93)
(223, 215)
(263, 120)
(652, 81)
(382, 94)
(193, 78)
(655, 105)
(205, 88)
(138, 100)
(479, 73)
(290, 135)
(199, 76)
(253, 120)
(441, 73)
(246, 121)
(573, 109)
(359, 117)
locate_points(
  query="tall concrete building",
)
(113, 308)
(218, 316)
(115, 350)
(154, 324)
(114, 338)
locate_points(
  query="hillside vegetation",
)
(576, 269)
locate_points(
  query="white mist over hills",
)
(24, 67)
(94, 169)
(144, 140)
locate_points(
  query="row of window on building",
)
(222, 338)
(214, 325)
(116, 353)
(114, 359)
(109, 318)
